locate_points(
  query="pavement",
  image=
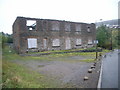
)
(109, 77)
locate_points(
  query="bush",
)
(5, 38)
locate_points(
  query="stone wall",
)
(47, 31)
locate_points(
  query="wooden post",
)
(96, 52)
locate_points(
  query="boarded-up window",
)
(68, 43)
(56, 42)
(45, 43)
(89, 42)
(67, 27)
(78, 27)
(32, 43)
(55, 25)
(78, 41)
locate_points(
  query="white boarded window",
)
(56, 42)
(55, 26)
(89, 41)
(78, 41)
(78, 27)
(68, 43)
(32, 43)
(67, 26)
(45, 43)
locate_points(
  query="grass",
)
(17, 76)
(9, 54)
(88, 60)
(51, 51)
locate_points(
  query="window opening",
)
(31, 24)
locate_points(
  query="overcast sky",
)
(88, 11)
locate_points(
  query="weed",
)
(17, 76)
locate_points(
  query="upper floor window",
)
(78, 27)
(67, 27)
(55, 25)
(88, 29)
(31, 24)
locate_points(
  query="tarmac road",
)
(110, 70)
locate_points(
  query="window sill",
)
(78, 45)
(90, 44)
(55, 46)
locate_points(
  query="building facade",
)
(46, 34)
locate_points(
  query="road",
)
(110, 70)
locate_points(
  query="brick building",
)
(46, 34)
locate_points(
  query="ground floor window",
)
(78, 41)
(32, 42)
(90, 42)
(45, 43)
(56, 42)
(68, 43)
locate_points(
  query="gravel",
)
(65, 74)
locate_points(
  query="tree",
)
(9, 38)
(5, 38)
(103, 36)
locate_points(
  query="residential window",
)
(68, 43)
(88, 29)
(55, 25)
(45, 43)
(78, 27)
(56, 42)
(31, 24)
(90, 42)
(32, 42)
(78, 42)
(67, 27)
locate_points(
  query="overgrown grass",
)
(9, 54)
(51, 51)
(17, 76)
